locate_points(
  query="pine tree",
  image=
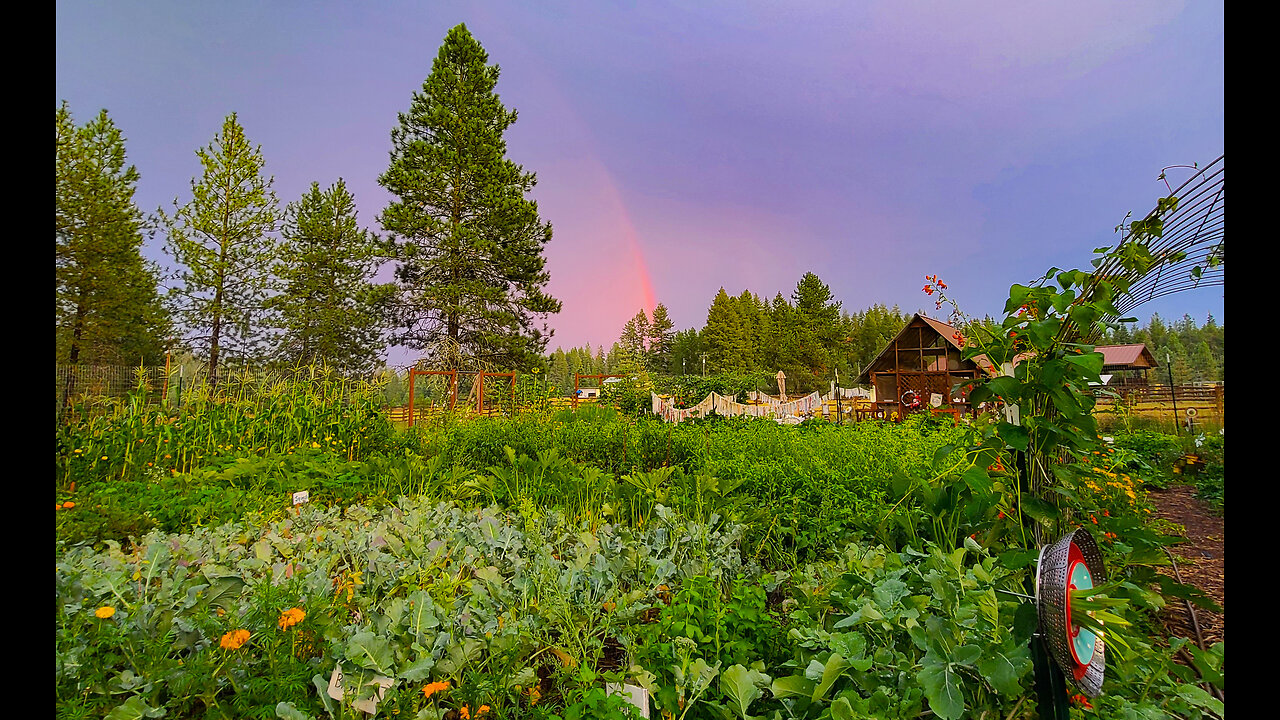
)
(686, 352)
(560, 373)
(635, 336)
(469, 242)
(724, 341)
(661, 339)
(330, 310)
(222, 239)
(107, 308)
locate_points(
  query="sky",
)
(685, 147)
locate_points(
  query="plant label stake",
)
(301, 497)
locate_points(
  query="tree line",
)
(257, 284)
(1196, 353)
(808, 336)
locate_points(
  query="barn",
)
(923, 363)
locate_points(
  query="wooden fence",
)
(1208, 401)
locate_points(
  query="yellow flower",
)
(104, 612)
(291, 617)
(432, 688)
(234, 639)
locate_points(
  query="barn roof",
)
(946, 330)
(1134, 356)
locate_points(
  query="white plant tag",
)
(1011, 415)
(633, 694)
(370, 706)
(935, 400)
(301, 496)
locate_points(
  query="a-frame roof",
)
(943, 329)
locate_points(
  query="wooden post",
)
(575, 391)
(411, 374)
(164, 398)
(480, 392)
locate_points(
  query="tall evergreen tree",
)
(661, 339)
(635, 336)
(222, 238)
(330, 311)
(106, 306)
(723, 337)
(686, 352)
(469, 242)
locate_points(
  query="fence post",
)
(412, 371)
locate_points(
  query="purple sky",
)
(740, 144)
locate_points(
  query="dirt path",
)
(1201, 560)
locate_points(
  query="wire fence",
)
(94, 385)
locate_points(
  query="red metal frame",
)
(601, 378)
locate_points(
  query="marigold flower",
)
(104, 612)
(68, 504)
(464, 713)
(234, 640)
(291, 617)
(433, 688)
(608, 607)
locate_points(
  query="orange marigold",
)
(291, 617)
(234, 640)
(433, 688)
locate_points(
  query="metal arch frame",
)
(1195, 230)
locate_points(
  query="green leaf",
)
(942, 688)
(978, 481)
(1015, 436)
(1003, 669)
(286, 711)
(1039, 510)
(742, 686)
(842, 709)
(1025, 621)
(418, 670)
(371, 652)
(966, 655)
(322, 691)
(792, 686)
(1196, 695)
(889, 592)
(835, 667)
(135, 708)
